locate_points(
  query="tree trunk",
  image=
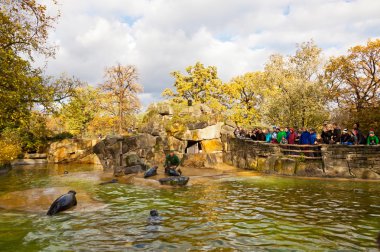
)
(120, 116)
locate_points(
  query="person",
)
(281, 134)
(336, 133)
(274, 135)
(346, 138)
(313, 136)
(292, 136)
(287, 133)
(305, 137)
(268, 135)
(253, 135)
(237, 132)
(260, 135)
(327, 134)
(372, 138)
(283, 140)
(358, 135)
(171, 163)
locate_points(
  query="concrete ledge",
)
(28, 161)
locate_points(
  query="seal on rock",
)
(63, 203)
(151, 172)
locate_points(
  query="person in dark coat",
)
(346, 138)
(260, 135)
(358, 135)
(336, 133)
(327, 134)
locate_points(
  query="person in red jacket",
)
(292, 136)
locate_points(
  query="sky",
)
(162, 36)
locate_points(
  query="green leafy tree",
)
(81, 110)
(296, 95)
(243, 96)
(201, 85)
(24, 27)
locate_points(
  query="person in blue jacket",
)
(313, 136)
(305, 137)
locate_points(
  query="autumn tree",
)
(201, 85)
(81, 110)
(243, 96)
(24, 27)
(121, 87)
(354, 79)
(295, 94)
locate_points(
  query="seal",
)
(151, 172)
(109, 182)
(174, 181)
(174, 172)
(154, 217)
(63, 203)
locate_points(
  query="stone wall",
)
(352, 161)
(337, 160)
(73, 150)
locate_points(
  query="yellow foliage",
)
(10, 146)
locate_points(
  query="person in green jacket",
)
(372, 139)
(171, 162)
(280, 135)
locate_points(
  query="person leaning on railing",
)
(372, 139)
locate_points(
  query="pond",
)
(238, 212)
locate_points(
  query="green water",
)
(254, 213)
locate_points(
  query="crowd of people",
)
(330, 134)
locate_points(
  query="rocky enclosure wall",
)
(337, 160)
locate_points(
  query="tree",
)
(244, 94)
(81, 110)
(19, 86)
(201, 84)
(24, 26)
(354, 79)
(122, 88)
(296, 96)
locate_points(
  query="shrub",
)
(10, 145)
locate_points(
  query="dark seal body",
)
(173, 172)
(174, 181)
(109, 182)
(151, 172)
(63, 203)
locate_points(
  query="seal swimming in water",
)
(109, 182)
(151, 172)
(154, 217)
(63, 203)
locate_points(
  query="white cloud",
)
(160, 36)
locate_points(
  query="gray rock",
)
(164, 109)
(133, 169)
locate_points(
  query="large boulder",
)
(213, 145)
(164, 109)
(207, 133)
(175, 144)
(70, 150)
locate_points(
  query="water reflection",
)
(235, 213)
